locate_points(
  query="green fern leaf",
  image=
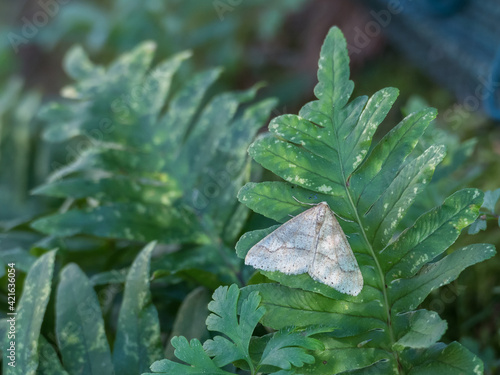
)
(325, 154)
(80, 326)
(190, 319)
(424, 328)
(191, 353)
(135, 144)
(491, 198)
(285, 349)
(442, 359)
(132, 221)
(28, 319)
(49, 361)
(455, 171)
(138, 342)
(224, 320)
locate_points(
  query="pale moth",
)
(311, 242)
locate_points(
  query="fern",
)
(137, 144)
(79, 325)
(17, 135)
(455, 171)
(282, 350)
(325, 154)
(488, 212)
(152, 165)
(28, 321)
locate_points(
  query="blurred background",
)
(444, 54)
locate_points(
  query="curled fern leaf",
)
(325, 154)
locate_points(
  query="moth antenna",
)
(343, 218)
(307, 204)
(315, 204)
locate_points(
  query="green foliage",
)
(146, 164)
(49, 363)
(17, 136)
(488, 212)
(221, 31)
(456, 171)
(190, 319)
(29, 318)
(280, 350)
(159, 155)
(79, 326)
(191, 353)
(133, 173)
(224, 320)
(216, 28)
(138, 342)
(325, 154)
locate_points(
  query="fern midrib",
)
(358, 219)
(379, 268)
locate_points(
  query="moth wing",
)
(289, 249)
(334, 263)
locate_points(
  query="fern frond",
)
(325, 154)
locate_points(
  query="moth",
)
(311, 242)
